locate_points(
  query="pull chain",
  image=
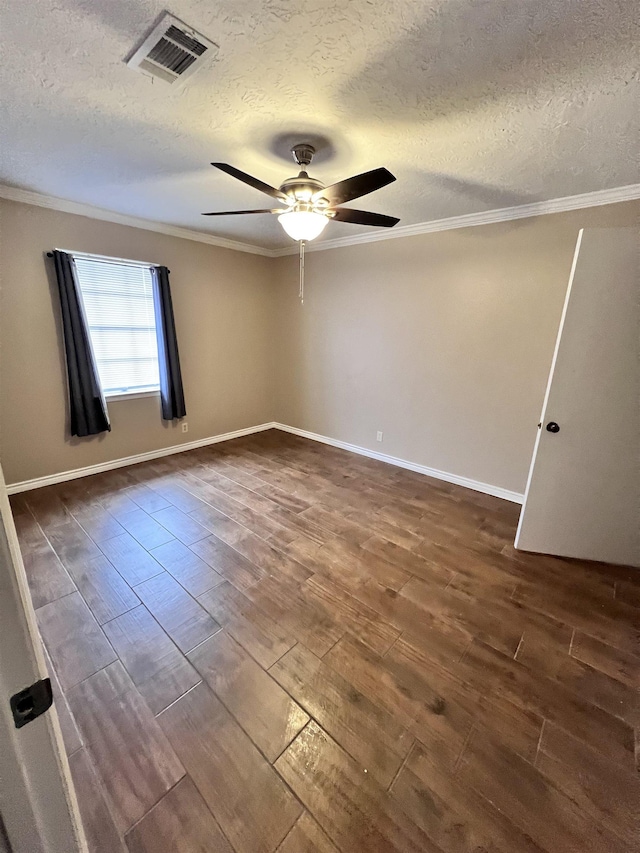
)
(301, 292)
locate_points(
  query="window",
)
(118, 301)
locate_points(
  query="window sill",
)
(134, 395)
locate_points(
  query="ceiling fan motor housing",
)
(301, 188)
(303, 153)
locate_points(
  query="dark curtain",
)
(171, 391)
(87, 406)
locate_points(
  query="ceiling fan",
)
(309, 204)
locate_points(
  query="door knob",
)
(552, 426)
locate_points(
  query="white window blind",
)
(118, 301)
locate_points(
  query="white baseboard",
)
(63, 476)
(50, 479)
(487, 488)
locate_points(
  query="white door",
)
(583, 493)
(38, 808)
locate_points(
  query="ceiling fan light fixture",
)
(303, 224)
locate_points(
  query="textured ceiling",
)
(473, 104)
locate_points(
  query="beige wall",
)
(222, 306)
(442, 341)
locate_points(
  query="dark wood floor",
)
(270, 644)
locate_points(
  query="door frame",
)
(38, 804)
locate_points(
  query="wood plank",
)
(617, 663)
(359, 619)
(308, 620)
(552, 701)
(229, 488)
(173, 492)
(100, 830)
(184, 620)
(73, 638)
(438, 720)
(481, 622)
(365, 730)
(228, 563)
(234, 472)
(187, 568)
(411, 562)
(270, 560)
(452, 814)
(146, 498)
(628, 591)
(388, 530)
(97, 523)
(252, 805)
(181, 525)
(179, 823)
(354, 811)
(444, 640)
(47, 508)
(132, 756)
(252, 520)
(299, 525)
(598, 786)
(531, 801)
(102, 688)
(284, 499)
(264, 639)
(590, 684)
(300, 549)
(82, 494)
(337, 523)
(118, 503)
(103, 588)
(70, 733)
(518, 728)
(307, 837)
(27, 528)
(350, 560)
(267, 714)
(130, 559)
(616, 624)
(158, 669)
(542, 650)
(145, 529)
(71, 543)
(48, 579)
(226, 529)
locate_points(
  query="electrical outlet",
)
(379, 435)
(185, 427)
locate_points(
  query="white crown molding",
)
(476, 485)
(63, 476)
(81, 209)
(468, 220)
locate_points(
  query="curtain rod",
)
(105, 258)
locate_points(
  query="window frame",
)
(131, 395)
(116, 394)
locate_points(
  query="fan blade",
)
(238, 212)
(356, 186)
(248, 179)
(363, 217)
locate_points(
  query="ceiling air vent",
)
(172, 51)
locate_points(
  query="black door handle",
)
(552, 426)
